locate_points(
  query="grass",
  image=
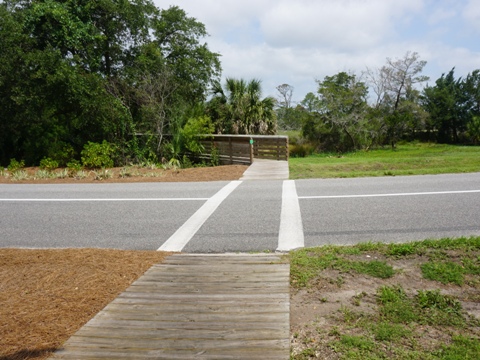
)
(306, 263)
(443, 271)
(407, 159)
(415, 320)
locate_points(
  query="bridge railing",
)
(242, 149)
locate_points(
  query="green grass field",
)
(407, 159)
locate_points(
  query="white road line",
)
(184, 234)
(389, 195)
(291, 227)
(93, 200)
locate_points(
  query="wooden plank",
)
(194, 306)
(172, 354)
(142, 314)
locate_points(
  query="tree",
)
(82, 70)
(288, 117)
(286, 93)
(471, 89)
(396, 96)
(195, 67)
(444, 104)
(454, 107)
(239, 108)
(339, 122)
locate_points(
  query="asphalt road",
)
(240, 216)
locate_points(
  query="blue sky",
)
(299, 41)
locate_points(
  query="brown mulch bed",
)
(47, 295)
(134, 174)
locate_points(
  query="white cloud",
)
(222, 16)
(441, 14)
(344, 24)
(296, 42)
(472, 13)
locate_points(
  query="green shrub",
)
(15, 165)
(43, 174)
(19, 175)
(61, 152)
(48, 164)
(300, 150)
(215, 156)
(95, 155)
(74, 166)
(194, 127)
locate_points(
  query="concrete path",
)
(266, 170)
(233, 306)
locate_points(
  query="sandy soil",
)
(318, 312)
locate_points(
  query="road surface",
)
(239, 216)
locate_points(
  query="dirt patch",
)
(337, 304)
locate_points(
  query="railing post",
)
(287, 153)
(251, 150)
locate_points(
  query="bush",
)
(74, 166)
(61, 152)
(95, 155)
(300, 150)
(15, 165)
(48, 164)
(193, 128)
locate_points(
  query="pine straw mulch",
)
(47, 295)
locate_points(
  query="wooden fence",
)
(242, 149)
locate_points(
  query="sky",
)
(297, 42)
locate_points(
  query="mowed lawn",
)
(406, 159)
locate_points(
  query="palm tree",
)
(238, 108)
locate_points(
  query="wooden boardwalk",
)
(194, 307)
(262, 169)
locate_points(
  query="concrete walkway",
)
(234, 306)
(267, 170)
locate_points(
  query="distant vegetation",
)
(382, 107)
(95, 83)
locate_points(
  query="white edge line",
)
(85, 200)
(388, 195)
(290, 235)
(184, 234)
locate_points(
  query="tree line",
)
(119, 80)
(74, 72)
(382, 106)
(112, 82)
